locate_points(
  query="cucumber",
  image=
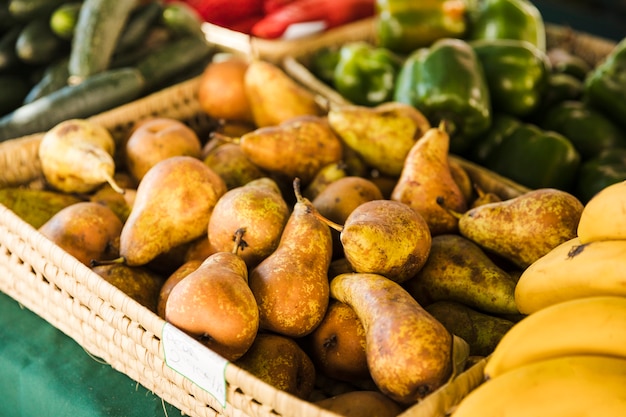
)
(182, 19)
(138, 26)
(100, 24)
(63, 19)
(8, 57)
(14, 88)
(173, 58)
(100, 92)
(27, 10)
(54, 77)
(37, 44)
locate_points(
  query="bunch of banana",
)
(592, 263)
(567, 359)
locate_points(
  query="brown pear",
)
(279, 361)
(86, 230)
(230, 162)
(214, 304)
(173, 206)
(366, 403)
(458, 269)
(291, 284)
(260, 209)
(383, 135)
(409, 352)
(427, 185)
(524, 228)
(139, 283)
(35, 206)
(386, 237)
(174, 278)
(462, 178)
(340, 197)
(156, 139)
(120, 203)
(337, 345)
(274, 96)
(324, 176)
(298, 147)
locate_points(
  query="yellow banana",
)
(604, 216)
(567, 386)
(590, 325)
(573, 270)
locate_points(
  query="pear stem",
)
(111, 181)
(96, 262)
(454, 213)
(223, 138)
(238, 238)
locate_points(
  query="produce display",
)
(354, 255)
(543, 117)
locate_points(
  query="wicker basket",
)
(112, 326)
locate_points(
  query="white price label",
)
(195, 361)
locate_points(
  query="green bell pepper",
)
(446, 82)
(502, 125)
(605, 85)
(535, 158)
(590, 130)
(508, 19)
(517, 74)
(561, 87)
(405, 25)
(609, 167)
(563, 61)
(366, 74)
(323, 62)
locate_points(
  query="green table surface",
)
(44, 372)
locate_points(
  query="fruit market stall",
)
(376, 235)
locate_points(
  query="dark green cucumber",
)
(173, 58)
(100, 24)
(14, 88)
(98, 93)
(54, 78)
(27, 10)
(37, 44)
(182, 19)
(138, 26)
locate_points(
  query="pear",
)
(298, 147)
(383, 135)
(214, 304)
(524, 228)
(279, 361)
(385, 237)
(426, 183)
(86, 230)
(337, 345)
(120, 203)
(324, 176)
(173, 205)
(340, 197)
(291, 284)
(35, 206)
(139, 283)
(156, 139)
(480, 330)
(230, 162)
(361, 403)
(462, 178)
(174, 278)
(409, 352)
(274, 96)
(258, 207)
(76, 156)
(457, 269)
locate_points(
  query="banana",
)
(578, 385)
(573, 270)
(604, 216)
(590, 325)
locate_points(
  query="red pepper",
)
(332, 12)
(270, 6)
(228, 13)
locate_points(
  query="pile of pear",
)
(325, 249)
